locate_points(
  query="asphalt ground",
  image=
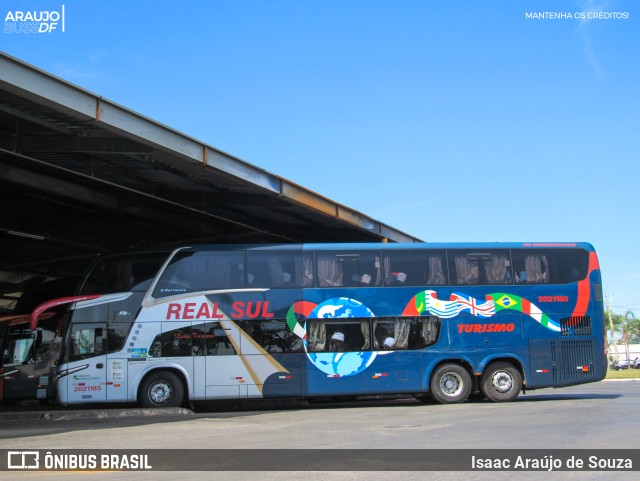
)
(51, 412)
(593, 416)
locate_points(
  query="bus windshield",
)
(123, 273)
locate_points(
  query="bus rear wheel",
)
(501, 382)
(162, 389)
(450, 384)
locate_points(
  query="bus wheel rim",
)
(160, 392)
(451, 384)
(502, 381)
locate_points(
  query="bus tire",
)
(162, 389)
(501, 382)
(450, 384)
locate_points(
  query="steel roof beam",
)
(81, 144)
(35, 120)
(45, 89)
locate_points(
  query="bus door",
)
(86, 379)
(27, 358)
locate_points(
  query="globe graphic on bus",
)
(340, 364)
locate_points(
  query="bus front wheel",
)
(450, 384)
(162, 389)
(501, 382)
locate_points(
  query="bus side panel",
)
(286, 384)
(87, 381)
(393, 372)
(564, 362)
(504, 329)
(117, 376)
(62, 390)
(320, 383)
(543, 365)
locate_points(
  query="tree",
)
(625, 328)
(611, 329)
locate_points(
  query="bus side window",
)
(497, 268)
(464, 271)
(424, 332)
(276, 337)
(87, 341)
(212, 340)
(18, 349)
(279, 269)
(316, 335)
(530, 267)
(328, 270)
(176, 342)
(414, 268)
(253, 329)
(392, 333)
(491, 267)
(345, 335)
(350, 269)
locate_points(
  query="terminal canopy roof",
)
(80, 176)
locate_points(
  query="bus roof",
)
(398, 246)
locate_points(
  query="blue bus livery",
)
(301, 321)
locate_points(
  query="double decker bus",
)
(439, 321)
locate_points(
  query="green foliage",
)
(626, 329)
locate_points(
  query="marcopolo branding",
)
(35, 21)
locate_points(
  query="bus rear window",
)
(550, 266)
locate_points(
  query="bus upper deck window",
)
(201, 271)
(480, 268)
(414, 268)
(550, 266)
(279, 269)
(349, 269)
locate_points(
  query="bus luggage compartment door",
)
(393, 372)
(544, 368)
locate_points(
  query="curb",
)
(92, 414)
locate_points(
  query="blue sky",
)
(450, 120)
